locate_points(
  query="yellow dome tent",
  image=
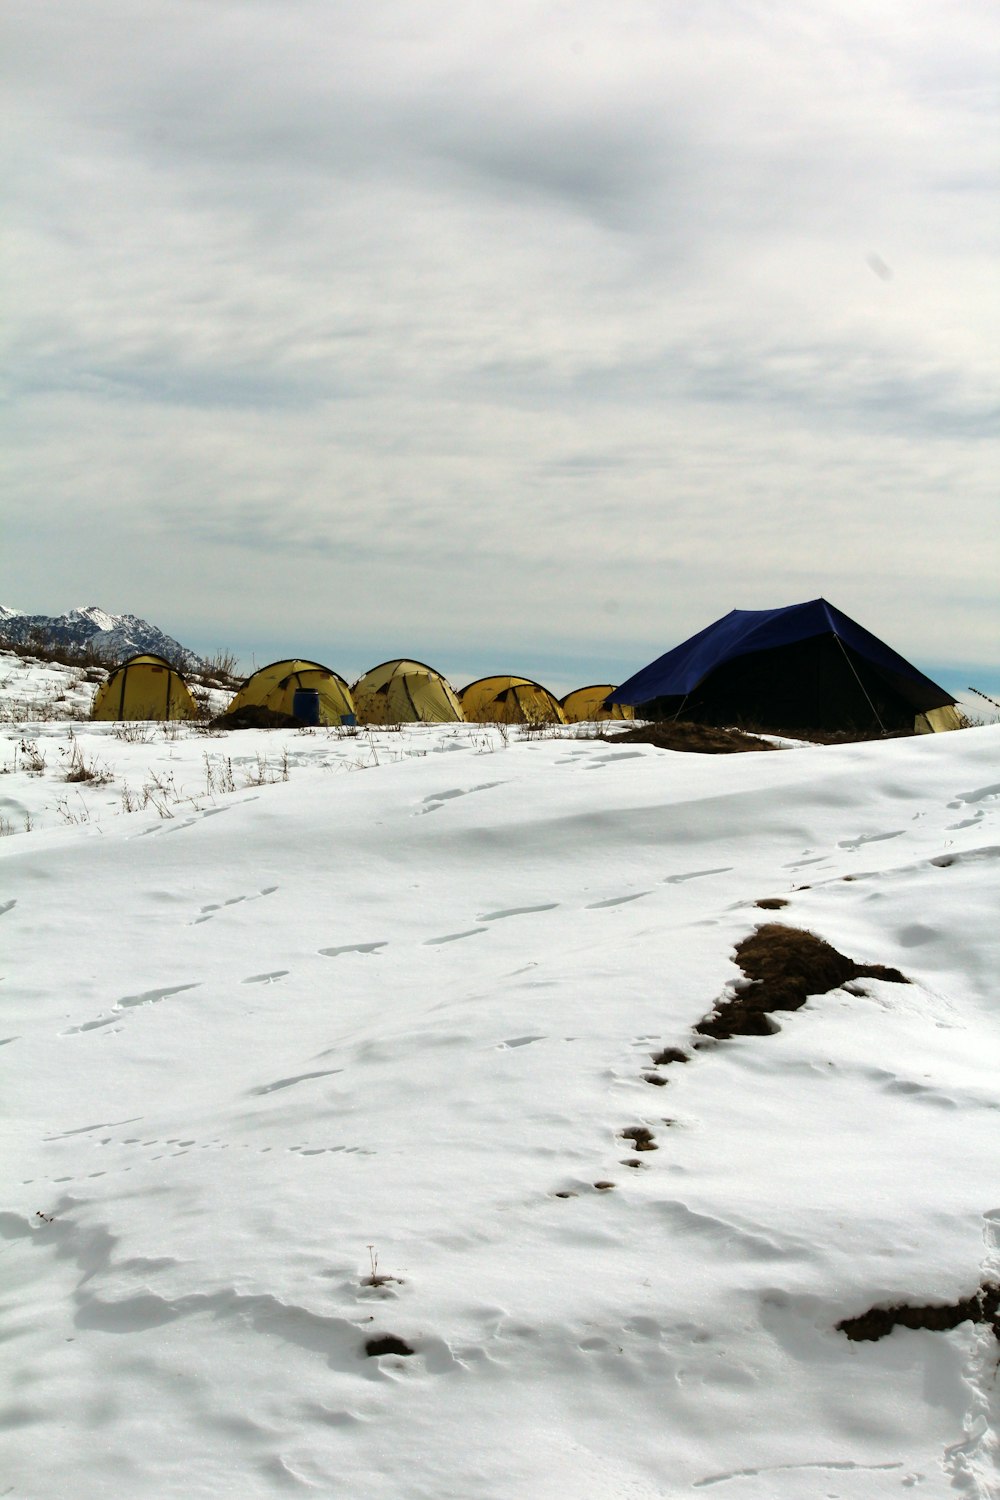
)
(588, 703)
(274, 687)
(510, 700)
(405, 692)
(144, 687)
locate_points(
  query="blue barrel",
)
(349, 720)
(305, 705)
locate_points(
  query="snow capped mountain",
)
(114, 637)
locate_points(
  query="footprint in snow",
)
(453, 937)
(434, 800)
(515, 911)
(616, 901)
(208, 912)
(869, 838)
(979, 795)
(287, 1083)
(129, 1002)
(354, 948)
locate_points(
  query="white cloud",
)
(464, 317)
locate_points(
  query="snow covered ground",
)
(274, 1004)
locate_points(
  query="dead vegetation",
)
(783, 967)
(982, 1307)
(79, 768)
(670, 1055)
(699, 739)
(254, 716)
(387, 1343)
(38, 647)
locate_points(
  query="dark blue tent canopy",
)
(744, 632)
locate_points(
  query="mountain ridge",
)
(91, 628)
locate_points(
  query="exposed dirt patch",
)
(701, 739)
(784, 966)
(982, 1307)
(656, 1079)
(255, 717)
(641, 1138)
(602, 1187)
(387, 1343)
(771, 903)
(669, 1055)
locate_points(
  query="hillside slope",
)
(403, 1004)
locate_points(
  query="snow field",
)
(405, 998)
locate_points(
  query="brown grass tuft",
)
(784, 966)
(700, 739)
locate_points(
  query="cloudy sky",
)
(525, 337)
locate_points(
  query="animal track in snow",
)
(515, 911)
(453, 937)
(208, 912)
(434, 800)
(287, 1083)
(966, 857)
(6, 906)
(87, 1129)
(616, 901)
(783, 967)
(869, 838)
(600, 761)
(153, 997)
(129, 1002)
(354, 948)
(695, 875)
(838, 1466)
(979, 795)
(270, 978)
(519, 1041)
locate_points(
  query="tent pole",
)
(860, 684)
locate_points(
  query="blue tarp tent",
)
(802, 666)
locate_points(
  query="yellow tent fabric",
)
(405, 692)
(587, 703)
(510, 700)
(144, 687)
(937, 720)
(274, 687)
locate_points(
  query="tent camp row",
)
(395, 692)
(803, 666)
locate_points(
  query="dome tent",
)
(144, 687)
(510, 700)
(805, 666)
(590, 705)
(275, 686)
(405, 692)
